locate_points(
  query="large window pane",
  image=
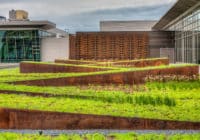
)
(16, 46)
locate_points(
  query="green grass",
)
(113, 106)
(170, 100)
(98, 136)
(138, 60)
(149, 59)
(11, 75)
(73, 65)
(92, 94)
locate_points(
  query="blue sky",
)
(84, 15)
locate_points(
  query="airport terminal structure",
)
(183, 19)
(176, 35)
(25, 40)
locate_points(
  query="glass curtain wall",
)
(187, 38)
(16, 46)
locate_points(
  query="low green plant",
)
(178, 112)
(172, 100)
(98, 136)
(154, 100)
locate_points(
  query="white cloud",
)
(38, 8)
(62, 11)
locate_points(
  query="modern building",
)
(25, 40)
(183, 19)
(121, 45)
(123, 40)
(176, 35)
(160, 43)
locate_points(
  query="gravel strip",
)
(8, 65)
(105, 132)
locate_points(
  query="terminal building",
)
(24, 40)
(176, 35)
(183, 19)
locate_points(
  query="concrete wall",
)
(54, 48)
(126, 25)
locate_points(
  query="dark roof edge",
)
(43, 24)
(128, 21)
(169, 16)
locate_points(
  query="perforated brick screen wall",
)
(111, 45)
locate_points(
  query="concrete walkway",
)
(8, 65)
(81, 132)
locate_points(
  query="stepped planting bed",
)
(159, 97)
(143, 63)
(24, 119)
(133, 76)
(33, 67)
(124, 63)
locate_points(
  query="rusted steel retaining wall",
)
(144, 63)
(134, 77)
(26, 119)
(77, 62)
(139, 63)
(26, 67)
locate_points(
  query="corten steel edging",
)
(144, 63)
(77, 62)
(134, 77)
(26, 67)
(27, 119)
(139, 63)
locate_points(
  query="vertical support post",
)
(182, 47)
(193, 48)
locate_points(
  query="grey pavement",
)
(8, 65)
(81, 132)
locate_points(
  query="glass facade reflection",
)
(187, 38)
(20, 45)
(16, 46)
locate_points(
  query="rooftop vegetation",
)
(99, 136)
(169, 100)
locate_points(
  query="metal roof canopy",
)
(45, 25)
(2, 17)
(178, 9)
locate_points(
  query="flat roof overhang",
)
(44, 25)
(178, 9)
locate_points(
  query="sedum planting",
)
(173, 99)
(98, 136)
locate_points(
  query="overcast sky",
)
(84, 15)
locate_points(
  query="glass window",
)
(187, 42)
(16, 46)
